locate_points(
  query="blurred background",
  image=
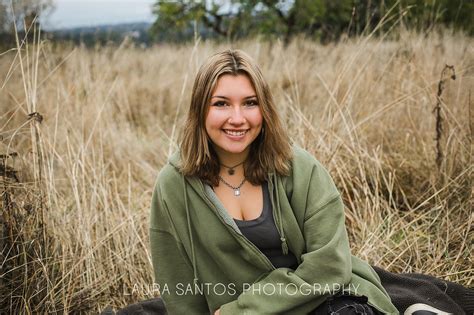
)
(150, 21)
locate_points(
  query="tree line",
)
(323, 20)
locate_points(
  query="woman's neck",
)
(231, 159)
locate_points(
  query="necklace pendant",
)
(237, 192)
(231, 171)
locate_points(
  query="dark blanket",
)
(149, 307)
(407, 289)
(418, 293)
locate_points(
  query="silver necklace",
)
(236, 189)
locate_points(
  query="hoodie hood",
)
(175, 159)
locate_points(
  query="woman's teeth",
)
(235, 133)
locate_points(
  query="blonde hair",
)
(269, 152)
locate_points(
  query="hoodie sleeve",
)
(173, 271)
(326, 265)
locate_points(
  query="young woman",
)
(242, 221)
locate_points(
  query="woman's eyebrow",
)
(224, 97)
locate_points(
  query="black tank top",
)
(262, 232)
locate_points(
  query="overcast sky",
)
(73, 13)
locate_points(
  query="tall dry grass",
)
(91, 128)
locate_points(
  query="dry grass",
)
(75, 217)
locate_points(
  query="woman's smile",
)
(236, 134)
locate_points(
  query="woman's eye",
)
(219, 104)
(251, 103)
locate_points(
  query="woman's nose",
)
(237, 117)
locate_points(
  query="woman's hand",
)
(218, 312)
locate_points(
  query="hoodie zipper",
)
(246, 241)
(275, 217)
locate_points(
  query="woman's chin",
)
(233, 149)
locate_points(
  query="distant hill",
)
(124, 27)
(103, 34)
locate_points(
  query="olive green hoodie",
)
(202, 262)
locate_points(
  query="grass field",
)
(84, 132)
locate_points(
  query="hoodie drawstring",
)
(284, 245)
(195, 280)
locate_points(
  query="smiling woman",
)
(245, 221)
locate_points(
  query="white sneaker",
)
(423, 309)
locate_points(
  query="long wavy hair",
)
(269, 152)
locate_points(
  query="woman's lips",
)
(235, 134)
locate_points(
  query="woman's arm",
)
(173, 270)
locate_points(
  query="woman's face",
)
(234, 118)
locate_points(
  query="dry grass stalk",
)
(437, 111)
